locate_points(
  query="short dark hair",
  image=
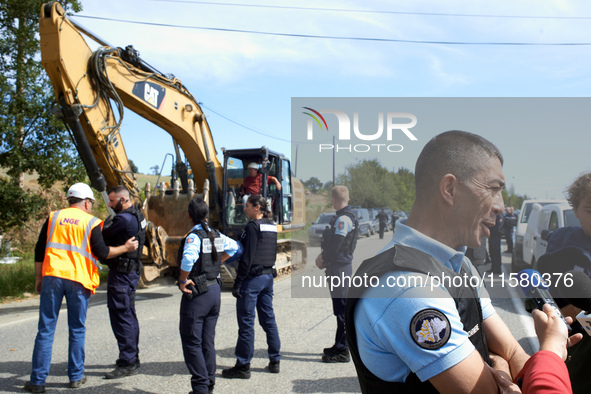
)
(453, 152)
(117, 189)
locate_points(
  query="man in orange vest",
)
(66, 264)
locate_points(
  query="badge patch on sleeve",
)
(430, 329)
(341, 225)
(189, 240)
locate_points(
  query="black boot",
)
(237, 372)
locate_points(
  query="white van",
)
(517, 261)
(542, 221)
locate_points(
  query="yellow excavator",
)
(92, 89)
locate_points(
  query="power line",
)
(245, 126)
(339, 37)
(375, 11)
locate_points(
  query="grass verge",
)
(17, 280)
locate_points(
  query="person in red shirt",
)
(253, 182)
(545, 371)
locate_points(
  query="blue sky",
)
(251, 78)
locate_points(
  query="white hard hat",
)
(81, 191)
(253, 165)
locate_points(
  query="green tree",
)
(512, 199)
(17, 205)
(313, 184)
(155, 169)
(405, 196)
(371, 185)
(31, 139)
(133, 166)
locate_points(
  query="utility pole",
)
(296, 162)
(333, 163)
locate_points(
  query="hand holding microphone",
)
(537, 290)
(552, 334)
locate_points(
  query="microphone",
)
(535, 288)
(584, 320)
(579, 295)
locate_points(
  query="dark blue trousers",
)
(509, 239)
(494, 250)
(197, 327)
(257, 293)
(121, 303)
(339, 297)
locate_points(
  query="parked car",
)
(365, 224)
(517, 261)
(542, 221)
(318, 226)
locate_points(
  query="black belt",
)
(126, 265)
(211, 282)
(260, 270)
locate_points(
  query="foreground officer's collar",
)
(408, 236)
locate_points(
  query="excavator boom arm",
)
(93, 83)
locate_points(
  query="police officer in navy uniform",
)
(383, 219)
(124, 274)
(253, 288)
(509, 227)
(494, 245)
(395, 217)
(338, 245)
(201, 254)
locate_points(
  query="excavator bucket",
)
(166, 212)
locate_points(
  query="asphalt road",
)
(306, 326)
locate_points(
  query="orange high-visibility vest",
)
(67, 252)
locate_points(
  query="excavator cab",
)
(236, 171)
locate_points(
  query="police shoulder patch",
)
(189, 240)
(430, 329)
(341, 225)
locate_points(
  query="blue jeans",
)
(53, 290)
(257, 293)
